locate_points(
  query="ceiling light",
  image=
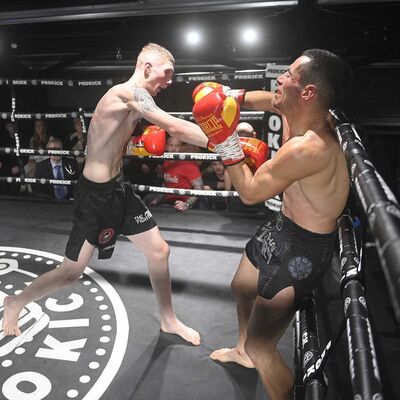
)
(193, 37)
(249, 35)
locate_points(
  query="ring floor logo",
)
(72, 342)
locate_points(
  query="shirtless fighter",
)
(286, 258)
(105, 204)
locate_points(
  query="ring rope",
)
(140, 188)
(81, 153)
(57, 115)
(273, 204)
(187, 115)
(378, 202)
(82, 119)
(12, 118)
(179, 77)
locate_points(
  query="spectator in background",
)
(77, 141)
(10, 165)
(178, 174)
(37, 142)
(56, 167)
(216, 179)
(143, 171)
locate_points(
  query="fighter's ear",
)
(309, 91)
(147, 68)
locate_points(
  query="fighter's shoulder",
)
(121, 90)
(305, 147)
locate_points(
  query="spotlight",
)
(249, 35)
(14, 45)
(193, 37)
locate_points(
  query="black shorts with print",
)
(289, 255)
(102, 212)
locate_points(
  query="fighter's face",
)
(289, 89)
(159, 75)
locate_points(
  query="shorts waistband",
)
(284, 222)
(117, 180)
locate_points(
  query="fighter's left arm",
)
(142, 102)
(294, 161)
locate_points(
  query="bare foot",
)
(232, 355)
(10, 317)
(186, 333)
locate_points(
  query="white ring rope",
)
(140, 188)
(180, 77)
(81, 153)
(244, 115)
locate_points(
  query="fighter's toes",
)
(232, 355)
(218, 353)
(192, 336)
(185, 332)
(10, 317)
(189, 334)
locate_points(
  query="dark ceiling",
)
(81, 38)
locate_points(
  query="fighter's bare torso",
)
(316, 201)
(110, 128)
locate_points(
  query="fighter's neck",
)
(135, 81)
(302, 122)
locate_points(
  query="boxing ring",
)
(380, 215)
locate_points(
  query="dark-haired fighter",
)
(106, 204)
(286, 258)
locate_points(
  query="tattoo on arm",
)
(145, 101)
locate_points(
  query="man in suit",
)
(56, 167)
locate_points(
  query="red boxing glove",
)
(218, 115)
(205, 88)
(150, 143)
(256, 152)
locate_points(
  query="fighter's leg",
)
(268, 321)
(244, 286)
(156, 250)
(67, 273)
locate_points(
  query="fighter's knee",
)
(236, 286)
(160, 252)
(240, 288)
(69, 275)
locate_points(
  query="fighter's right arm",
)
(256, 100)
(259, 100)
(141, 102)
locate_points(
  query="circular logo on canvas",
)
(72, 341)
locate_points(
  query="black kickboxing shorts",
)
(289, 255)
(102, 212)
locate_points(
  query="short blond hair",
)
(157, 49)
